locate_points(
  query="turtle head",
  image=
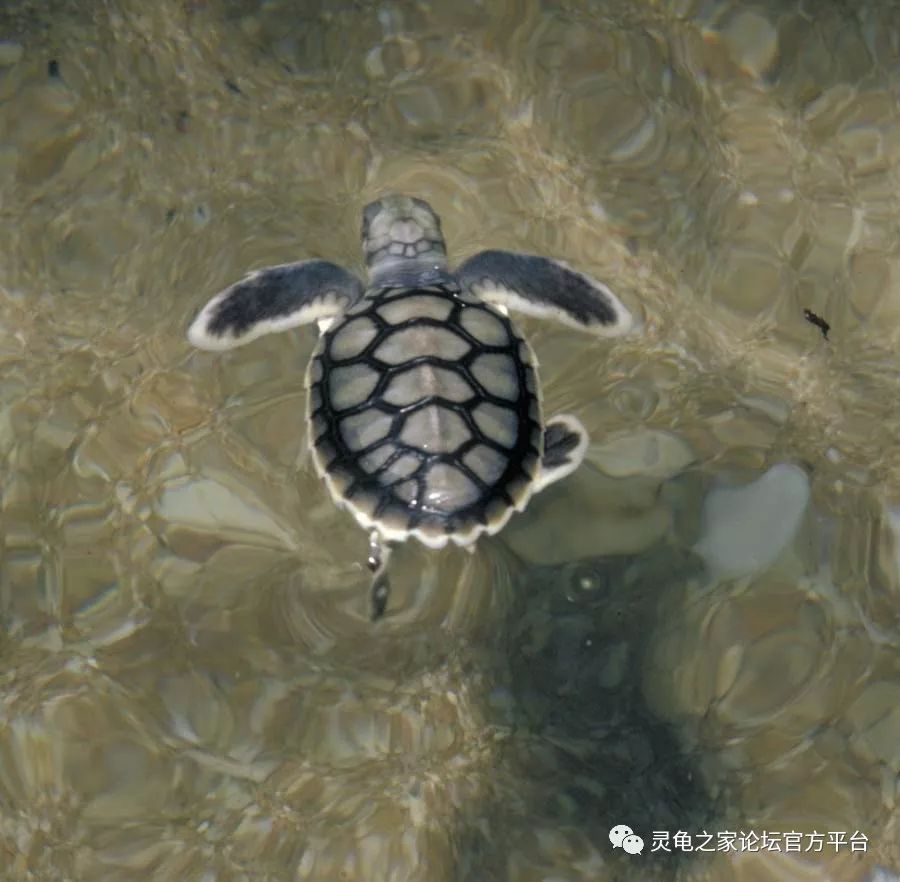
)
(403, 242)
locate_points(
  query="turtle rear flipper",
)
(545, 288)
(565, 443)
(379, 555)
(274, 299)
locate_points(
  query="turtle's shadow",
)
(584, 751)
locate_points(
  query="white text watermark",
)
(622, 836)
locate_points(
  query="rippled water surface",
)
(696, 631)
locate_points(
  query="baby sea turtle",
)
(423, 405)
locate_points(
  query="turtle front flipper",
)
(274, 299)
(545, 288)
(565, 443)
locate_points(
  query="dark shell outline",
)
(521, 461)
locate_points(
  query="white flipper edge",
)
(545, 288)
(274, 299)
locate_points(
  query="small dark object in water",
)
(53, 69)
(233, 87)
(818, 321)
(181, 121)
(170, 215)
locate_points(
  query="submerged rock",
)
(880, 874)
(10, 53)
(588, 517)
(230, 513)
(746, 528)
(648, 452)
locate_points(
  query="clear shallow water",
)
(189, 686)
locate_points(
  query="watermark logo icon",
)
(633, 844)
(622, 836)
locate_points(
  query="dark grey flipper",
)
(379, 555)
(274, 299)
(545, 288)
(565, 443)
